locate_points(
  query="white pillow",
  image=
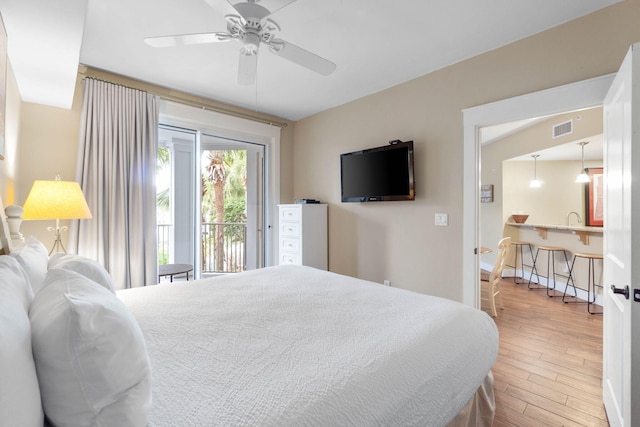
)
(86, 266)
(33, 258)
(90, 355)
(20, 403)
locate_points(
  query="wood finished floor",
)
(549, 367)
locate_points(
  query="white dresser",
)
(303, 235)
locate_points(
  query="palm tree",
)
(224, 180)
(163, 159)
(217, 175)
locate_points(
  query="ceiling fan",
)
(251, 27)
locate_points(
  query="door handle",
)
(621, 291)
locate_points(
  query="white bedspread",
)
(295, 346)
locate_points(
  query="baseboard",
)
(560, 286)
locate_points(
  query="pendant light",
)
(535, 182)
(583, 176)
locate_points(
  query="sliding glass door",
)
(210, 201)
(231, 205)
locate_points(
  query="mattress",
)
(292, 345)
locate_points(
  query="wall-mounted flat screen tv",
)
(378, 174)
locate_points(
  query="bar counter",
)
(582, 232)
(572, 238)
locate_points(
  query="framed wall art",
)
(594, 198)
(486, 193)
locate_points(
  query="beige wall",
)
(550, 203)
(48, 147)
(398, 240)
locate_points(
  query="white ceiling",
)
(376, 44)
(593, 150)
(569, 151)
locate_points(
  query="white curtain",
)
(116, 170)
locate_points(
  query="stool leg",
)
(566, 261)
(570, 278)
(522, 260)
(589, 287)
(551, 266)
(592, 282)
(515, 263)
(534, 268)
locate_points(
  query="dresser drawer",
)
(290, 214)
(290, 259)
(290, 245)
(291, 229)
(302, 235)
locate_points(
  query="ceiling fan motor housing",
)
(251, 43)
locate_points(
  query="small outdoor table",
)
(174, 269)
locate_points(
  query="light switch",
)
(442, 219)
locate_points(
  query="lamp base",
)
(57, 244)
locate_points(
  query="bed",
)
(279, 346)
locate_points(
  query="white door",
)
(621, 374)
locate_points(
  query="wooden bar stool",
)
(551, 267)
(591, 281)
(518, 248)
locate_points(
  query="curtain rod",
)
(190, 103)
(221, 110)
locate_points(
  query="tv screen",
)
(378, 174)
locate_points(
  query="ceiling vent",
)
(563, 129)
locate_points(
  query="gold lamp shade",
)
(56, 200)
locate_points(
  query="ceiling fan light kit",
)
(251, 27)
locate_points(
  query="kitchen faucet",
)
(577, 216)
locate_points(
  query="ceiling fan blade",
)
(302, 57)
(185, 39)
(247, 68)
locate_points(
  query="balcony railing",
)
(164, 242)
(224, 246)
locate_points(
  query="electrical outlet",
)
(387, 283)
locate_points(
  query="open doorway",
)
(549, 149)
(574, 97)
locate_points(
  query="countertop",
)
(558, 227)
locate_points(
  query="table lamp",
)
(56, 200)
